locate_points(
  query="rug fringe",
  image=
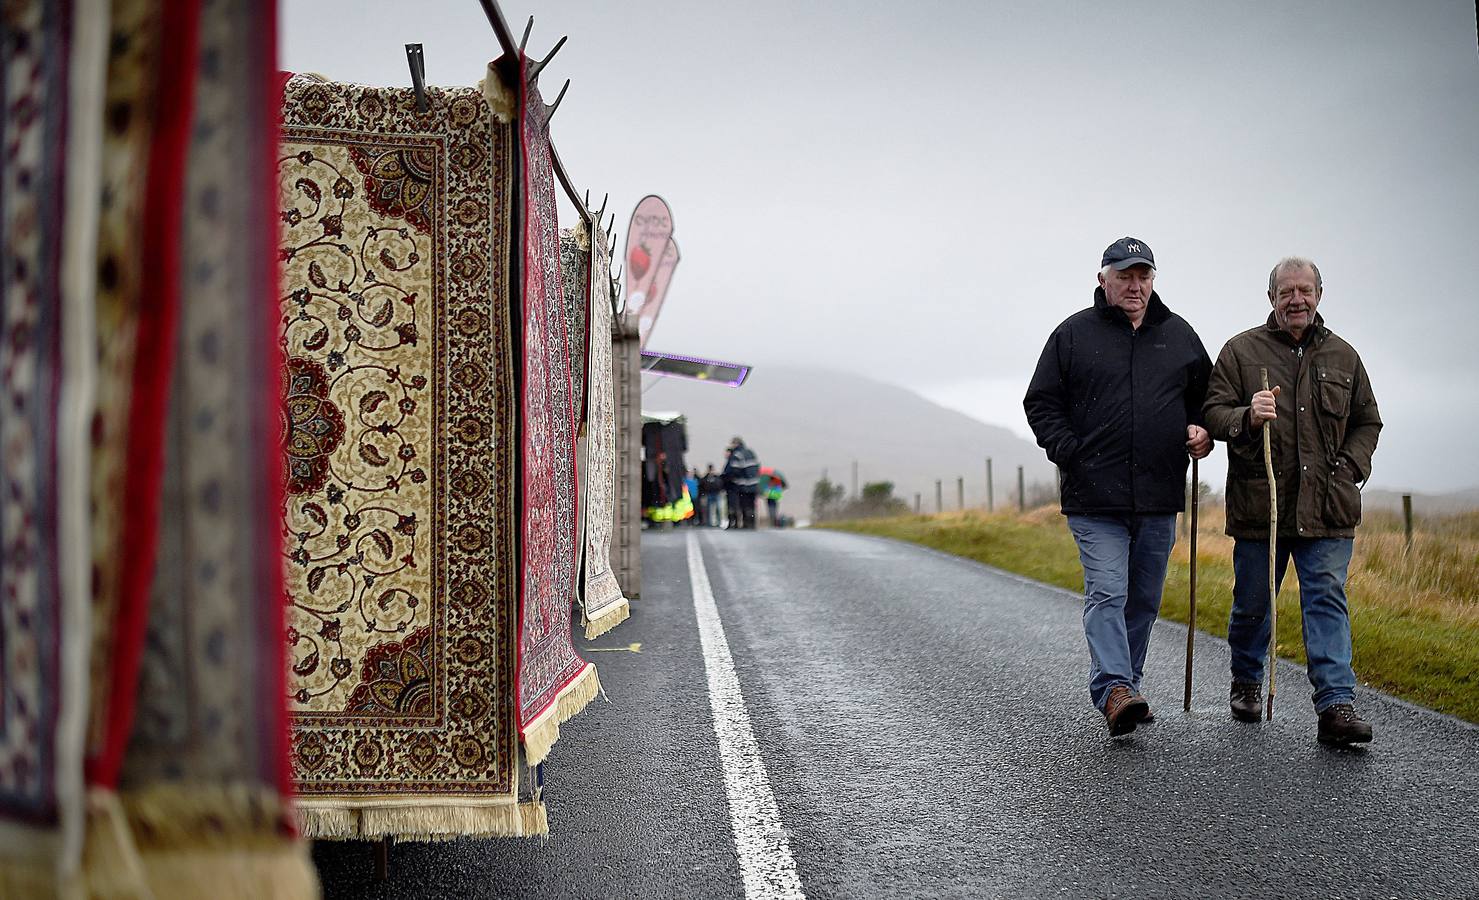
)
(217, 840)
(541, 735)
(613, 616)
(535, 818)
(284, 871)
(31, 880)
(420, 823)
(111, 867)
(191, 816)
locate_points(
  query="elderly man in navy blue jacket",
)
(1116, 402)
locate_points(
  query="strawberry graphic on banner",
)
(649, 238)
(647, 315)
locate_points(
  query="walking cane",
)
(1273, 537)
(1191, 619)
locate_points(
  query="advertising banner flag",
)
(652, 305)
(648, 233)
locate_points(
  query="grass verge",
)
(1414, 616)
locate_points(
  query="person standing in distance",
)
(1325, 425)
(1116, 402)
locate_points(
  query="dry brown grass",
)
(1438, 578)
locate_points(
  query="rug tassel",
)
(609, 619)
(217, 840)
(416, 823)
(111, 867)
(540, 737)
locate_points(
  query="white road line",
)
(764, 852)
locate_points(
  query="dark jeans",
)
(1320, 564)
(773, 506)
(746, 508)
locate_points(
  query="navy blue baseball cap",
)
(1127, 252)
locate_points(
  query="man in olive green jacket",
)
(1324, 425)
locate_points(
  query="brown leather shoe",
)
(1124, 710)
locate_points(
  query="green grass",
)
(1411, 639)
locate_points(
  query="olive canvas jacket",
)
(1322, 440)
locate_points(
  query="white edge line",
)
(760, 842)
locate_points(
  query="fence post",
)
(1407, 519)
(916, 504)
(855, 493)
(960, 491)
(1021, 491)
(939, 498)
(990, 493)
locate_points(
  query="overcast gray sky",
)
(921, 191)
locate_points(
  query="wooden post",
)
(1021, 491)
(939, 498)
(1273, 539)
(855, 493)
(960, 492)
(382, 859)
(990, 492)
(1407, 519)
(916, 504)
(626, 376)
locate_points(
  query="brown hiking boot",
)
(1339, 725)
(1247, 701)
(1124, 710)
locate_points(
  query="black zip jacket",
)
(1110, 404)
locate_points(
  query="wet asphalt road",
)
(926, 732)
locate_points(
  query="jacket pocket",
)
(1247, 502)
(1334, 387)
(1342, 500)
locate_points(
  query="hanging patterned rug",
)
(205, 778)
(400, 410)
(47, 369)
(553, 682)
(605, 607)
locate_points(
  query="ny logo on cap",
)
(1133, 248)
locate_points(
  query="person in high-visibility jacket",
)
(773, 486)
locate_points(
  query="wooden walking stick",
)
(1191, 619)
(1273, 538)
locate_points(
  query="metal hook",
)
(556, 105)
(524, 41)
(537, 67)
(602, 214)
(417, 61)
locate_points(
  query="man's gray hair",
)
(1294, 262)
(1107, 269)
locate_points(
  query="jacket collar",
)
(1314, 334)
(1156, 312)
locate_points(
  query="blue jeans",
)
(1124, 560)
(1320, 564)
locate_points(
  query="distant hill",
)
(807, 421)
